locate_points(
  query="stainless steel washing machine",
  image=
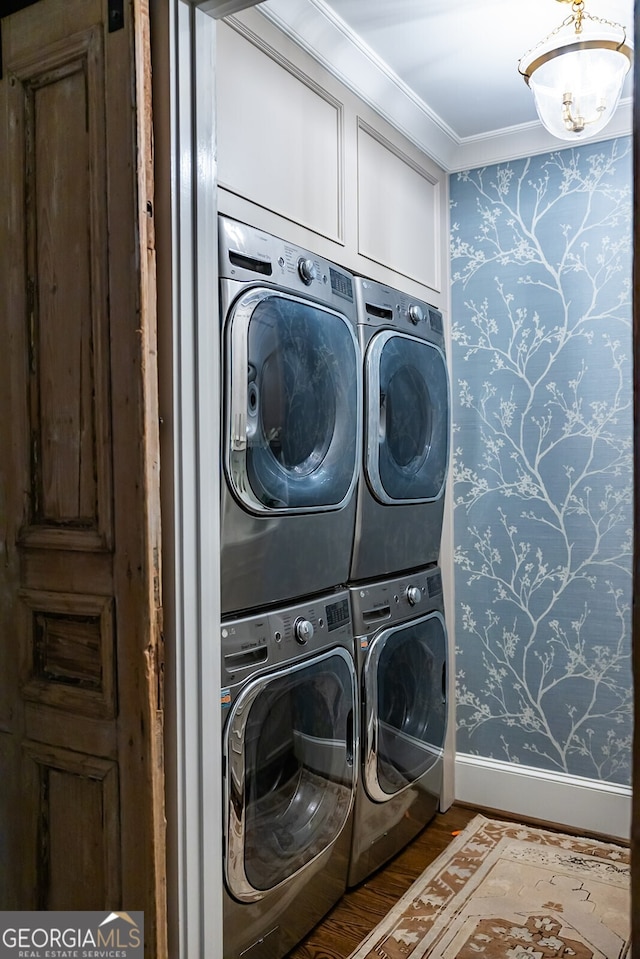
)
(290, 739)
(292, 419)
(401, 653)
(406, 433)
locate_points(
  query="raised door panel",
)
(279, 135)
(77, 829)
(57, 105)
(69, 655)
(399, 217)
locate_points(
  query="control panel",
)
(273, 638)
(248, 254)
(396, 599)
(381, 306)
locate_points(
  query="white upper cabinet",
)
(301, 156)
(279, 136)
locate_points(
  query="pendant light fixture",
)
(576, 73)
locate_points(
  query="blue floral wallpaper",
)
(541, 260)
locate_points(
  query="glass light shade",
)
(576, 85)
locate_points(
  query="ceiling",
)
(448, 73)
(461, 59)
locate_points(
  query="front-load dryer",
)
(406, 433)
(292, 419)
(290, 729)
(401, 653)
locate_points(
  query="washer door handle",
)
(241, 373)
(382, 420)
(349, 738)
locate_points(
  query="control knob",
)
(307, 270)
(415, 313)
(413, 595)
(302, 630)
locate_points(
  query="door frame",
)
(183, 55)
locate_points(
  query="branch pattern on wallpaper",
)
(541, 253)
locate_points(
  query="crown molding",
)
(314, 27)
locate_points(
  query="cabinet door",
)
(81, 807)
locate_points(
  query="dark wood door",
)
(81, 797)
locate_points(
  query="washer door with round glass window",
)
(290, 771)
(407, 419)
(405, 705)
(293, 404)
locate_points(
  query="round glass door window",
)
(407, 418)
(293, 404)
(405, 701)
(290, 771)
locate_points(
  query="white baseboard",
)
(569, 801)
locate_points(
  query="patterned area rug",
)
(505, 891)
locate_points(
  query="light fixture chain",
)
(608, 23)
(577, 19)
(565, 23)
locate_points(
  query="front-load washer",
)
(290, 731)
(292, 419)
(401, 653)
(406, 433)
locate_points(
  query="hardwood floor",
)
(362, 908)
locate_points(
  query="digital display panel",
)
(337, 614)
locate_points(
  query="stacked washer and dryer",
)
(395, 581)
(291, 431)
(333, 643)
